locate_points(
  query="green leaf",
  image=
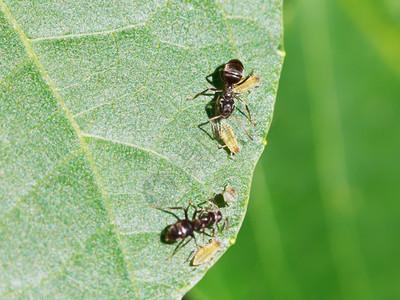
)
(95, 128)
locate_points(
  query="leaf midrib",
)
(78, 132)
(81, 136)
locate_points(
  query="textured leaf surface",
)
(95, 127)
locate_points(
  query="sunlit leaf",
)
(95, 128)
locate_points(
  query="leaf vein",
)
(60, 270)
(109, 102)
(65, 160)
(219, 6)
(29, 49)
(89, 34)
(13, 70)
(144, 149)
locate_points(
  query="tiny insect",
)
(232, 77)
(202, 220)
(246, 84)
(229, 194)
(204, 254)
(228, 137)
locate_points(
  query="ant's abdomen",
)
(179, 231)
(233, 71)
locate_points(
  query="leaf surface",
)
(95, 128)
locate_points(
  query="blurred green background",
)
(324, 213)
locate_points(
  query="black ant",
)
(231, 75)
(201, 220)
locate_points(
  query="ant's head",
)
(233, 71)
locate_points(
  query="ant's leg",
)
(194, 214)
(201, 203)
(212, 204)
(247, 108)
(195, 241)
(164, 209)
(216, 110)
(175, 250)
(161, 208)
(226, 224)
(214, 118)
(242, 126)
(179, 247)
(203, 210)
(213, 231)
(217, 105)
(213, 124)
(242, 81)
(215, 129)
(207, 234)
(223, 226)
(205, 91)
(191, 205)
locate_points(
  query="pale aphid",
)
(228, 137)
(246, 84)
(204, 254)
(229, 195)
